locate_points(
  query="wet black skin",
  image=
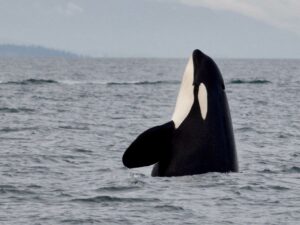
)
(196, 146)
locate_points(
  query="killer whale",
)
(199, 138)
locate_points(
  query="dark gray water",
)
(66, 123)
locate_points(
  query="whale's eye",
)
(202, 97)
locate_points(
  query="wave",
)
(112, 83)
(81, 221)
(81, 150)
(293, 169)
(144, 82)
(106, 198)
(256, 81)
(278, 188)
(169, 208)
(15, 110)
(74, 127)
(31, 81)
(4, 189)
(16, 129)
(117, 188)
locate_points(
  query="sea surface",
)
(65, 124)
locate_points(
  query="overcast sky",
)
(156, 28)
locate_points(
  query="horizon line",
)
(105, 55)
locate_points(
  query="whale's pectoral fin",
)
(150, 146)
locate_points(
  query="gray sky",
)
(156, 28)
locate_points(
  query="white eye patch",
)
(202, 97)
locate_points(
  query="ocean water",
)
(65, 124)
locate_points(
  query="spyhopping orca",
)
(199, 138)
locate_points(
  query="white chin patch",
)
(202, 97)
(185, 97)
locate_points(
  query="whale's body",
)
(199, 138)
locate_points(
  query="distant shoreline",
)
(13, 50)
(36, 51)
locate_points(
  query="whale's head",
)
(201, 79)
(206, 72)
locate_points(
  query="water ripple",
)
(106, 198)
(15, 110)
(255, 81)
(117, 188)
(31, 81)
